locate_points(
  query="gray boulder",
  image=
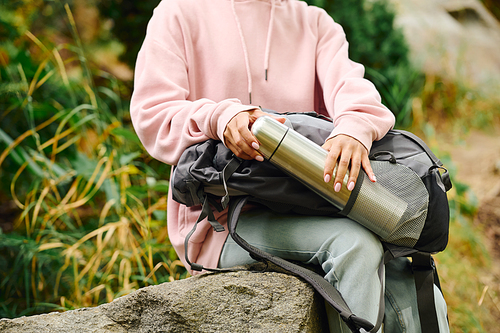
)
(243, 301)
(457, 39)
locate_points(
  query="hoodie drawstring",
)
(269, 36)
(244, 45)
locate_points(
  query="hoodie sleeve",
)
(352, 101)
(164, 117)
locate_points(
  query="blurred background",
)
(83, 206)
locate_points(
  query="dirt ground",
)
(477, 160)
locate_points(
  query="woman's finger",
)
(331, 160)
(342, 168)
(368, 168)
(354, 170)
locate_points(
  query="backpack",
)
(208, 174)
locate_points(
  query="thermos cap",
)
(269, 132)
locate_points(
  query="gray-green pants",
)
(350, 256)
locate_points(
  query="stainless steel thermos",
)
(375, 207)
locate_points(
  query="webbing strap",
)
(323, 287)
(423, 270)
(206, 211)
(228, 170)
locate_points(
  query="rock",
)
(496, 167)
(81, 320)
(456, 39)
(243, 301)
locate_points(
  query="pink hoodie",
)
(204, 61)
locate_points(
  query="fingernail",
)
(374, 178)
(327, 178)
(337, 188)
(259, 158)
(255, 145)
(350, 187)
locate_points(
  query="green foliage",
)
(369, 27)
(130, 19)
(18, 16)
(90, 203)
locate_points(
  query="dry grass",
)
(91, 224)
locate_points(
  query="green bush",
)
(130, 18)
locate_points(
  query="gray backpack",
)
(208, 174)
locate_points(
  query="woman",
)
(203, 71)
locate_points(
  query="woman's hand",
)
(347, 153)
(238, 137)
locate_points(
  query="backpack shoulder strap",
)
(424, 271)
(422, 144)
(425, 275)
